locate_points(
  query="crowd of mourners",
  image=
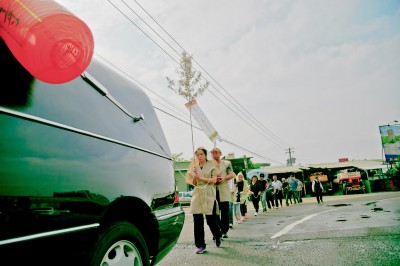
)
(272, 194)
(219, 195)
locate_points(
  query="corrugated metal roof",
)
(363, 164)
(282, 169)
(359, 164)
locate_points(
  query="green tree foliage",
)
(188, 84)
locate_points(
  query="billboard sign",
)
(390, 136)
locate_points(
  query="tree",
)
(188, 85)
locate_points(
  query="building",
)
(371, 170)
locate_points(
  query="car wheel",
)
(120, 244)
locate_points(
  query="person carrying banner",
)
(203, 176)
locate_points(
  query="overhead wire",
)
(178, 118)
(254, 120)
(244, 120)
(270, 136)
(140, 83)
(143, 31)
(148, 36)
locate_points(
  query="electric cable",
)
(253, 118)
(271, 136)
(194, 60)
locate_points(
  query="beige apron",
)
(203, 195)
(223, 188)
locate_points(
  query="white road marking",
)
(291, 226)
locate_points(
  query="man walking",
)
(285, 191)
(318, 189)
(277, 184)
(269, 194)
(263, 192)
(224, 174)
(299, 190)
(292, 190)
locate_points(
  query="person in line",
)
(255, 191)
(277, 185)
(242, 189)
(239, 197)
(243, 209)
(299, 190)
(243, 206)
(285, 191)
(236, 199)
(204, 176)
(318, 189)
(231, 183)
(293, 189)
(269, 191)
(263, 195)
(224, 174)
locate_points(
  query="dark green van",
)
(86, 175)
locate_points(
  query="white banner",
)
(202, 120)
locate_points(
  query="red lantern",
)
(51, 43)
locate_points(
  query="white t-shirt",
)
(277, 184)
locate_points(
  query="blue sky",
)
(316, 76)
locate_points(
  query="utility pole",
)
(290, 151)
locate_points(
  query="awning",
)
(282, 169)
(373, 167)
(363, 164)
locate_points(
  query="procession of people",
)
(221, 196)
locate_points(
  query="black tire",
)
(120, 243)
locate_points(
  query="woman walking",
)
(255, 190)
(203, 200)
(270, 194)
(240, 200)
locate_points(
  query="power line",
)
(253, 118)
(223, 139)
(142, 31)
(180, 119)
(138, 82)
(251, 151)
(274, 139)
(269, 135)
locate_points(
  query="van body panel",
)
(68, 153)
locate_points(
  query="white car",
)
(185, 197)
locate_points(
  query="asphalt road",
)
(360, 229)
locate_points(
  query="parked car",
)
(185, 197)
(86, 175)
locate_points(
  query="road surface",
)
(359, 229)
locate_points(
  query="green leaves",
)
(189, 84)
